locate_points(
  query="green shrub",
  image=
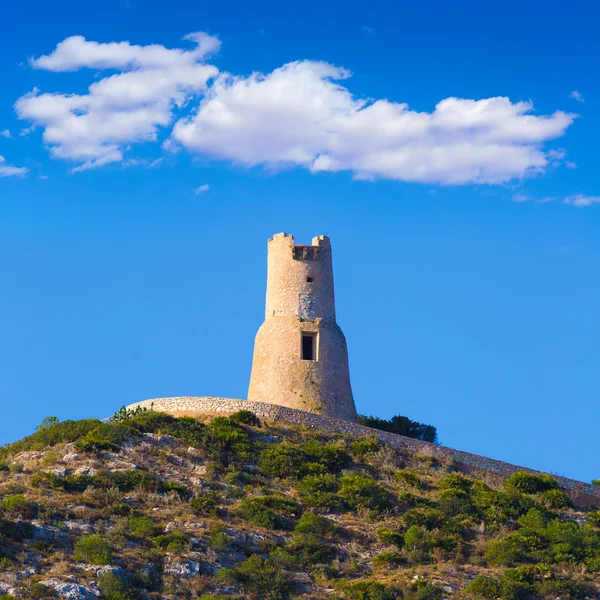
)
(124, 414)
(320, 491)
(483, 586)
(368, 445)
(287, 460)
(425, 516)
(529, 483)
(69, 483)
(261, 578)
(509, 550)
(93, 549)
(245, 417)
(563, 589)
(16, 505)
(424, 591)
(122, 509)
(408, 478)
(112, 587)
(367, 590)
(226, 441)
(556, 499)
(387, 558)
(47, 422)
(206, 503)
(309, 549)
(312, 523)
(360, 492)
(143, 526)
(455, 502)
(596, 482)
(271, 512)
(456, 482)
(219, 541)
(174, 541)
(389, 536)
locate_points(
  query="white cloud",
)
(7, 170)
(581, 200)
(576, 96)
(301, 115)
(122, 108)
(201, 189)
(5, 134)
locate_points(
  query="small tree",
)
(46, 423)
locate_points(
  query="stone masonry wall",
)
(584, 494)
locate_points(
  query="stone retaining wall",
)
(584, 494)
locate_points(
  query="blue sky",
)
(449, 151)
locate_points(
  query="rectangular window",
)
(309, 346)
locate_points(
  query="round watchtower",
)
(300, 354)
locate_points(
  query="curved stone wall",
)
(584, 494)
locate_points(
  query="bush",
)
(425, 591)
(596, 482)
(206, 503)
(143, 526)
(389, 536)
(367, 590)
(310, 549)
(564, 589)
(245, 417)
(556, 499)
(320, 491)
(93, 549)
(17, 505)
(387, 558)
(271, 512)
(408, 478)
(261, 578)
(112, 587)
(365, 446)
(172, 542)
(286, 460)
(316, 524)
(529, 483)
(219, 541)
(507, 551)
(482, 586)
(362, 493)
(402, 426)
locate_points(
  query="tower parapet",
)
(300, 354)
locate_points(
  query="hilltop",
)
(152, 506)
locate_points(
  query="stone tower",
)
(300, 354)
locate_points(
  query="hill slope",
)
(150, 506)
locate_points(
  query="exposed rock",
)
(71, 456)
(71, 591)
(186, 569)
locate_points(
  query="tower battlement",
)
(300, 354)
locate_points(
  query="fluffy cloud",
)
(5, 134)
(301, 115)
(123, 108)
(7, 170)
(581, 200)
